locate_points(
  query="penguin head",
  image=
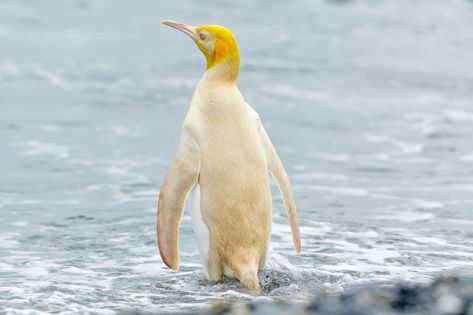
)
(217, 43)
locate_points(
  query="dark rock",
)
(445, 296)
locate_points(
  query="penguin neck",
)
(225, 72)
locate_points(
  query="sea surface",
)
(369, 103)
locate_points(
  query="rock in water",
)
(445, 296)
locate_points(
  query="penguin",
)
(223, 160)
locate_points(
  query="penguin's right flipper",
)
(279, 173)
(182, 175)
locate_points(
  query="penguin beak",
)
(187, 29)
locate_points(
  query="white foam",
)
(277, 262)
(124, 167)
(80, 271)
(337, 190)
(50, 128)
(37, 148)
(427, 204)
(56, 297)
(459, 221)
(150, 209)
(333, 157)
(318, 230)
(365, 267)
(426, 125)
(363, 234)
(405, 147)
(406, 216)
(35, 268)
(458, 115)
(429, 240)
(71, 202)
(299, 167)
(6, 267)
(11, 290)
(7, 242)
(324, 176)
(121, 131)
(375, 253)
(234, 294)
(18, 223)
(444, 188)
(34, 272)
(49, 76)
(9, 69)
(154, 268)
(294, 93)
(282, 231)
(24, 311)
(467, 157)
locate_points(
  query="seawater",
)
(369, 103)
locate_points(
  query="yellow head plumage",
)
(218, 45)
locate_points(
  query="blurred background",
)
(369, 103)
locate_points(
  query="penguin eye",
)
(202, 36)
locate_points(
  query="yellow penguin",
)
(223, 158)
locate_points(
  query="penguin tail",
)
(243, 264)
(249, 278)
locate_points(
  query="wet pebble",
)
(445, 296)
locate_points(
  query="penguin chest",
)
(200, 229)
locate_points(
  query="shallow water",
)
(370, 104)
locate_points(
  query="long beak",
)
(187, 29)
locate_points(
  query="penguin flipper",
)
(279, 173)
(181, 177)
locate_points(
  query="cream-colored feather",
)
(226, 152)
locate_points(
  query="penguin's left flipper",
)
(279, 173)
(182, 175)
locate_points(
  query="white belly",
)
(200, 229)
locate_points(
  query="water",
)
(370, 105)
